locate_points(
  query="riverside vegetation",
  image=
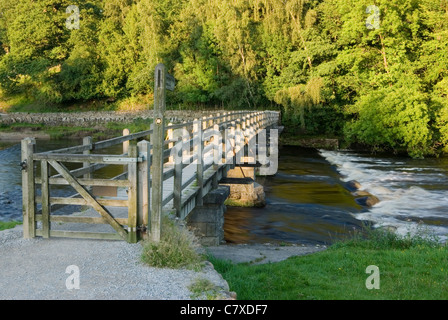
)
(411, 268)
(315, 60)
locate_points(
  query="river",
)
(307, 202)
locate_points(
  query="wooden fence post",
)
(158, 137)
(132, 195)
(87, 141)
(217, 152)
(198, 147)
(170, 135)
(178, 164)
(45, 193)
(144, 183)
(126, 132)
(28, 146)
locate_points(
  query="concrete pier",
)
(207, 221)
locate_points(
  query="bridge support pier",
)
(248, 193)
(207, 221)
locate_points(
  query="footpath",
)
(111, 270)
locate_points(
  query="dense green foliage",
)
(316, 60)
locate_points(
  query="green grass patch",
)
(411, 268)
(8, 224)
(203, 288)
(177, 248)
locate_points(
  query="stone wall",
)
(88, 119)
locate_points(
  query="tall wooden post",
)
(144, 182)
(28, 190)
(157, 143)
(132, 195)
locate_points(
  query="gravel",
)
(36, 269)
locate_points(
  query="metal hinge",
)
(142, 228)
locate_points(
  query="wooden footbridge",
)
(169, 167)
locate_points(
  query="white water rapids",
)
(413, 193)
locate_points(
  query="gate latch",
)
(23, 165)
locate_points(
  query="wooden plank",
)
(114, 141)
(100, 191)
(77, 219)
(168, 173)
(90, 199)
(83, 235)
(89, 182)
(81, 171)
(28, 146)
(45, 189)
(84, 202)
(80, 158)
(167, 199)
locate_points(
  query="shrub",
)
(177, 248)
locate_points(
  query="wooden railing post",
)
(217, 151)
(87, 141)
(177, 188)
(28, 146)
(126, 132)
(144, 183)
(132, 195)
(197, 136)
(170, 136)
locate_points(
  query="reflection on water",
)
(306, 203)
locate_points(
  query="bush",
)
(177, 248)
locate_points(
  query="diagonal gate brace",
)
(61, 169)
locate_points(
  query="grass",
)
(8, 224)
(178, 248)
(202, 287)
(411, 268)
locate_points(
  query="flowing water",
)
(306, 200)
(413, 193)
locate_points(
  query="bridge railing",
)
(195, 158)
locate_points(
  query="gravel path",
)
(36, 269)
